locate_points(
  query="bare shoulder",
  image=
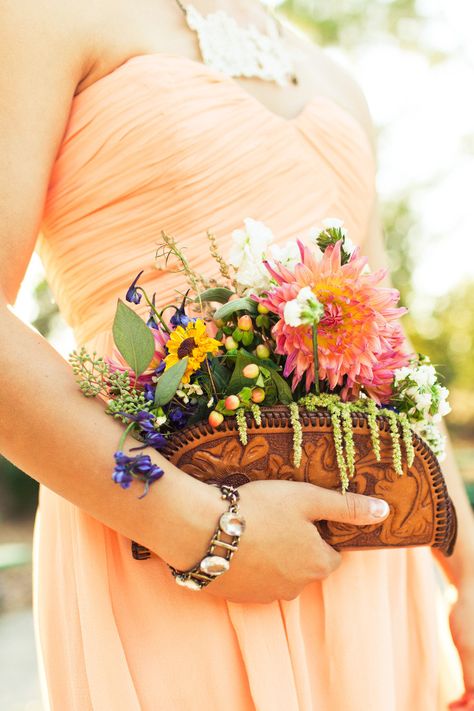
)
(336, 81)
(351, 95)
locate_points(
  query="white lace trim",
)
(240, 51)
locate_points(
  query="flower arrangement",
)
(305, 326)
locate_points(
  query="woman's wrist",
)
(186, 511)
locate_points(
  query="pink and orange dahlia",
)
(360, 343)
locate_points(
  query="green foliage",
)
(229, 309)
(169, 382)
(133, 338)
(219, 293)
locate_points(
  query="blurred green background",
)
(405, 54)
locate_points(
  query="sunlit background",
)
(415, 62)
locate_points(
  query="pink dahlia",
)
(117, 362)
(360, 343)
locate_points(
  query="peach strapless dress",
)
(167, 143)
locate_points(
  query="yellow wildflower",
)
(193, 342)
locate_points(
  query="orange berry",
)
(245, 323)
(251, 371)
(258, 395)
(215, 418)
(232, 402)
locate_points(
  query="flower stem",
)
(213, 385)
(315, 358)
(152, 307)
(124, 434)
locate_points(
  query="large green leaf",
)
(219, 293)
(168, 382)
(133, 338)
(244, 304)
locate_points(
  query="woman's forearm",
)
(460, 566)
(66, 442)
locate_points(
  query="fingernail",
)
(379, 508)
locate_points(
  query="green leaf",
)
(284, 393)
(133, 338)
(219, 293)
(221, 374)
(244, 304)
(168, 382)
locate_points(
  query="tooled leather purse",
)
(421, 511)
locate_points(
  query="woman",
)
(112, 129)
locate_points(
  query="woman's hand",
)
(281, 551)
(461, 621)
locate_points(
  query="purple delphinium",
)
(132, 294)
(180, 317)
(151, 323)
(160, 368)
(146, 424)
(149, 392)
(178, 417)
(139, 467)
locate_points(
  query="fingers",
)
(346, 508)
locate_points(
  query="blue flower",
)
(132, 294)
(146, 423)
(151, 323)
(178, 417)
(149, 392)
(160, 368)
(180, 318)
(155, 440)
(139, 467)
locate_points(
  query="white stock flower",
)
(401, 373)
(292, 313)
(248, 252)
(304, 310)
(433, 438)
(419, 392)
(287, 254)
(423, 401)
(424, 375)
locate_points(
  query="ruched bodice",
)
(167, 143)
(164, 142)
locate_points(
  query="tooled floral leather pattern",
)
(421, 512)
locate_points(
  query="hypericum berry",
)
(237, 334)
(262, 309)
(262, 351)
(230, 344)
(215, 418)
(258, 395)
(247, 337)
(251, 371)
(219, 323)
(245, 323)
(231, 402)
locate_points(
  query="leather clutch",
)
(421, 511)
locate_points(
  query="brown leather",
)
(421, 511)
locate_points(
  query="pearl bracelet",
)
(211, 566)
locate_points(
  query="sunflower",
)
(191, 341)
